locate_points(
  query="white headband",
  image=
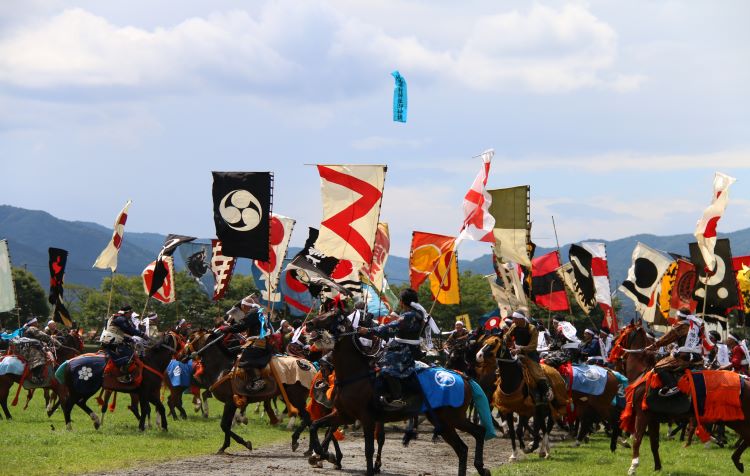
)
(731, 336)
(589, 331)
(682, 315)
(518, 315)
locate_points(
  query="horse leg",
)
(368, 427)
(304, 423)
(653, 435)
(641, 421)
(337, 449)
(512, 433)
(226, 425)
(91, 413)
(274, 420)
(462, 451)
(161, 413)
(322, 453)
(477, 431)
(105, 403)
(4, 390)
(614, 419)
(67, 407)
(183, 413)
(172, 402)
(380, 435)
(229, 433)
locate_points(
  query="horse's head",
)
(490, 349)
(324, 329)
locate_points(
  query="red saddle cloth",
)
(716, 395)
(112, 373)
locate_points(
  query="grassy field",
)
(595, 459)
(33, 444)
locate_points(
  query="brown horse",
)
(512, 395)
(354, 398)
(224, 391)
(628, 352)
(68, 346)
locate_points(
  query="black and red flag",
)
(242, 212)
(58, 258)
(547, 289)
(161, 271)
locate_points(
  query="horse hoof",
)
(249, 446)
(512, 459)
(740, 467)
(332, 460)
(295, 445)
(220, 452)
(307, 453)
(313, 460)
(575, 444)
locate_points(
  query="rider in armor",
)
(404, 347)
(256, 352)
(524, 337)
(117, 341)
(32, 331)
(688, 333)
(459, 336)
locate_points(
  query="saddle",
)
(112, 375)
(661, 398)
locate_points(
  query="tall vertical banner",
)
(351, 196)
(222, 267)
(645, 276)
(108, 257)
(478, 222)
(160, 288)
(589, 260)
(58, 258)
(510, 208)
(400, 101)
(266, 273)
(684, 285)
(705, 230)
(547, 289)
(432, 256)
(242, 211)
(375, 270)
(7, 289)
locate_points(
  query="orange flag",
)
(432, 256)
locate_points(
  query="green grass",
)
(32, 447)
(595, 459)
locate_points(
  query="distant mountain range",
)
(31, 232)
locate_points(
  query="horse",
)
(512, 395)
(628, 353)
(651, 420)
(590, 407)
(66, 348)
(295, 395)
(354, 398)
(155, 361)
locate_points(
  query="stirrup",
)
(125, 379)
(668, 392)
(396, 403)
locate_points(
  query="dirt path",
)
(422, 457)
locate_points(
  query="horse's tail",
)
(482, 406)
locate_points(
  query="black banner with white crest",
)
(721, 292)
(242, 211)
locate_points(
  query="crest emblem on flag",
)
(165, 292)
(719, 289)
(242, 210)
(645, 275)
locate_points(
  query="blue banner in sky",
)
(399, 98)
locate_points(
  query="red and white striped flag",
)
(478, 223)
(705, 231)
(108, 257)
(600, 272)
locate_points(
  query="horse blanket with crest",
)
(441, 387)
(589, 379)
(179, 373)
(86, 373)
(291, 370)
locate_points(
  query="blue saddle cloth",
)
(441, 388)
(589, 379)
(179, 373)
(87, 373)
(11, 365)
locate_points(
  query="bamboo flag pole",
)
(559, 258)
(111, 289)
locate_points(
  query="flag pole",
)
(148, 299)
(111, 288)
(559, 260)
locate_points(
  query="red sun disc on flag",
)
(492, 323)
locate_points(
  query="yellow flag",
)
(743, 279)
(665, 296)
(465, 319)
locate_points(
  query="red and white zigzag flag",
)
(705, 231)
(600, 272)
(108, 257)
(222, 267)
(478, 223)
(351, 197)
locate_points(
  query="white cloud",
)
(309, 49)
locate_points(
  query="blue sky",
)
(616, 113)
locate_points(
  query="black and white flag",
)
(721, 292)
(581, 259)
(644, 275)
(242, 212)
